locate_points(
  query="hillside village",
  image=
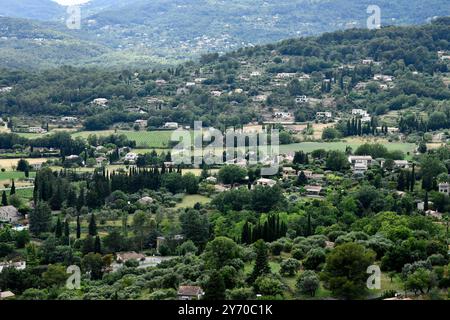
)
(88, 175)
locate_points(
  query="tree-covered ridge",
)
(143, 32)
(409, 55)
(31, 9)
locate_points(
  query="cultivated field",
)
(8, 164)
(342, 145)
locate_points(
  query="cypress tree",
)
(78, 227)
(66, 229)
(425, 204)
(309, 230)
(262, 261)
(4, 199)
(413, 177)
(401, 181)
(92, 226)
(97, 245)
(13, 188)
(58, 229)
(246, 234)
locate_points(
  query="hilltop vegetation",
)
(139, 33)
(329, 68)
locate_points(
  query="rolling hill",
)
(143, 32)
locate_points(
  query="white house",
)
(131, 157)
(360, 159)
(383, 77)
(285, 75)
(366, 119)
(100, 102)
(6, 295)
(141, 123)
(5, 89)
(190, 293)
(19, 265)
(403, 164)
(266, 182)
(301, 99)
(313, 189)
(260, 98)
(282, 115)
(444, 188)
(367, 61)
(69, 119)
(360, 168)
(216, 93)
(211, 180)
(322, 115)
(160, 82)
(171, 125)
(199, 80)
(146, 200)
(36, 130)
(360, 112)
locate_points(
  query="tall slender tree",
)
(13, 188)
(58, 229)
(262, 261)
(92, 229)
(4, 199)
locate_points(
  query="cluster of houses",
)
(365, 116)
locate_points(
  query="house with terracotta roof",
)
(190, 293)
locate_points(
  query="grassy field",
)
(25, 193)
(9, 163)
(8, 175)
(144, 139)
(190, 200)
(341, 145)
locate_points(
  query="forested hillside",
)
(408, 54)
(144, 32)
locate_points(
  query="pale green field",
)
(144, 139)
(341, 145)
(190, 200)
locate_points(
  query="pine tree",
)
(425, 204)
(302, 180)
(58, 229)
(78, 227)
(4, 199)
(262, 261)
(92, 226)
(40, 218)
